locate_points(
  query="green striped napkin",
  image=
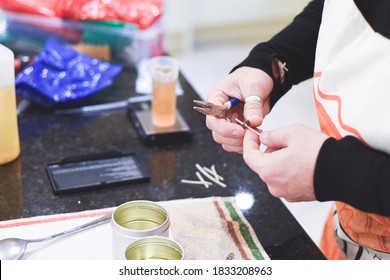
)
(213, 228)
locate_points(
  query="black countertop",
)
(46, 137)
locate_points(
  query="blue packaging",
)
(61, 74)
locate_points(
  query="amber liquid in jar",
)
(9, 135)
(164, 103)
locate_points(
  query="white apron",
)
(352, 96)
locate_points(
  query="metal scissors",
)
(211, 109)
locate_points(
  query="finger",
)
(218, 97)
(224, 128)
(231, 149)
(251, 141)
(253, 111)
(229, 141)
(276, 139)
(271, 150)
(251, 149)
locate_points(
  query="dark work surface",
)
(45, 137)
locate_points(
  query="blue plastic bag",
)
(61, 74)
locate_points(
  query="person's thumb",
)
(275, 139)
(253, 112)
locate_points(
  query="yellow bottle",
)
(9, 135)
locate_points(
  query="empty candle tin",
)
(154, 248)
(134, 220)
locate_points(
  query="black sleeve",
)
(295, 45)
(348, 171)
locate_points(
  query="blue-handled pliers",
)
(211, 109)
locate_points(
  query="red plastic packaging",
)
(141, 12)
(49, 8)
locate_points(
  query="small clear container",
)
(129, 45)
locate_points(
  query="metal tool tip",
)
(246, 125)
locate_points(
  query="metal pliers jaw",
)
(210, 109)
(219, 111)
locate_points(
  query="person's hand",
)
(287, 165)
(241, 83)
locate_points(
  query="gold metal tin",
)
(154, 248)
(137, 219)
